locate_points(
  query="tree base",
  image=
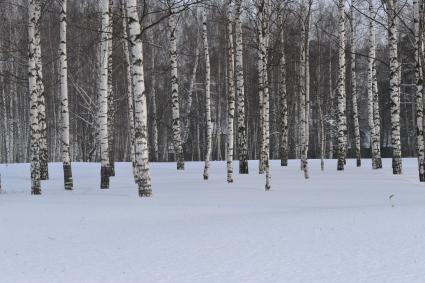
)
(284, 162)
(145, 193)
(243, 167)
(44, 172)
(67, 176)
(180, 165)
(104, 177)
(340, 166)
(112, 170)
(36, 191)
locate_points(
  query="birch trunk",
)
(35, 134)
(177, 137)
(153, 98)
(354, 86)
(207, 95)
(303, 91)
(240, 93)
(231, 92)
(332, 98)
(263, 92)
(394, 86)
(41, 104)
(417, 9)
(140, 107)
(5, 122)
(111, 102)
(130, 98)
(283, 99)
(66, 160)
(373, 96)
(342, 119)
(103, 97)
(307, 85)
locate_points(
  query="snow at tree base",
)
(359, 225)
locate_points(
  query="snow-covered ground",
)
(335, 227)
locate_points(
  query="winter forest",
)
(164, 98)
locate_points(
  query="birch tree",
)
(103, 96)
(354, 86)
(66, 159)
(153, 105)
(140, 107)
(207, 95)
(111, 102)
(283, 98)
(41, 103)
(130, 97)
(394, 86)
(177, 136)
(304, 100)
(242, 138)
(263, 89)
(373, 95)
(231, 92)
(342, 119)
(35, 135)
(417, 10)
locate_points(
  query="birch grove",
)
(250, 83)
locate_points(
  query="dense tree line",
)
(175, 80)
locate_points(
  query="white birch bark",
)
(373, 96)
(103, 97)
(5, 122)
(35, 135)
(394, 86)
(283, 99)
(354, 86)
(111, 102)
(417, 10)
(307, 84)
(240, 93)
(41, 104)
(130, 97)
(140, 107)
(153, 96)
(177, 135)
(342, 119)
(332, 98)
(207, 95)
(303, 89)
(263, 92)
(64, 109)
(231, 92)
